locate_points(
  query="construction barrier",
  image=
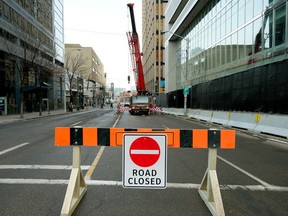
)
(209, 189)
(272, 124)
(242, 120)
(122, 109)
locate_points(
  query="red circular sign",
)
(144, 151)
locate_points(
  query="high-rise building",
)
(152, 43)
(231, 54)
(31, 54)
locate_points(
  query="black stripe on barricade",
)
(76, 136)
(214, 139)
(185, 138)
(158, 129)
(103, 136)
(130, 129)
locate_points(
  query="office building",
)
(90, 69)
(237, 54)
(152, 43)
(31, 54)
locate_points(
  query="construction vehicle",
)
(143, 101)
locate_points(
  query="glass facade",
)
(230, 36)
(34, 30)
(59, 29)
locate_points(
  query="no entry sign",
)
(144, 160)
(144, 151)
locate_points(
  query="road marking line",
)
(41, 167)
(94, 164)
(76, 123)
(116, 121)
(279, 141)
(119, 183)
(13, 148)
(265, 184)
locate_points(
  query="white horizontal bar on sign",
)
(145, 151)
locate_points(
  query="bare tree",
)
(74, 66)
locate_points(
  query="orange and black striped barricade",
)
(212, 140)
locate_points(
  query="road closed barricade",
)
(145, 158)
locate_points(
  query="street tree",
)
(74, 66)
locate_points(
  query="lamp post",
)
(185, 89)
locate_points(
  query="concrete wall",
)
(255, 122)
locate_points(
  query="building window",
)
(6, 12)
(1, 8)
(268, 30)
(280, 23)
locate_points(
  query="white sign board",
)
(145, 160)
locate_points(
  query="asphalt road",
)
(34, 173)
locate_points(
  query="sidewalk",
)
(16, 117)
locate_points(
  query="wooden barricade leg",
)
(76, 187)
(209, 189)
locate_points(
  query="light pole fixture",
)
(185, 88)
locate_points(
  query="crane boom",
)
(135, 53)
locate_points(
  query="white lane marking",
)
(116, 121)
(32, 181)
(119, 183)
(94, 164)
(36, 124)
(76, 123)
(13, 148)
(279, 141)
(265, 184)
(41, 167)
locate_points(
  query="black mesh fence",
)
(262, 89)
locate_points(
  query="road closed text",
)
(144, 177)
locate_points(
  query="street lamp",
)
(185, 89)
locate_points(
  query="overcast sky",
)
(102, 25)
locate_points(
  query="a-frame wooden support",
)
(76, 188)
(209, 189)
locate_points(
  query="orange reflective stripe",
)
(144, 130)
(200, 139)
(90, 137)
(116, 136)
(173, 138)
(227, 139)
(62, 136)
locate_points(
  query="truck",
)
(140, 104)
(143, 101)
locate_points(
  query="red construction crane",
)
(143, 101)
(135, 53)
